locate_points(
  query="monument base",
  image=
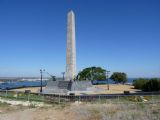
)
(58, 87)
(69, 87)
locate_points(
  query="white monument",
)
(67, 86)
(71, 47)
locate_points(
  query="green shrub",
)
(147, 85)
(152, 85)
(140, 83)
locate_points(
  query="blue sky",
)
(118, 35)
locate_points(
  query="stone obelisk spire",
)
(71, 47)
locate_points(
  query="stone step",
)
(59, 85)
(65, 85)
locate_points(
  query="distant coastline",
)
(15, 79)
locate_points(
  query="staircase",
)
(65, 85)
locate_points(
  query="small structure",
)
(58, 87)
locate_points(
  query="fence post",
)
(106, 99)
(59, 99)
(6, 94)
(28, 96)
(42, 98)
(16, 95)
(79, 99)
(152, 98)
(118, 98)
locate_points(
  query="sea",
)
(21, 84)
(37, 83)
(129, 81)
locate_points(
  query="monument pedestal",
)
(58, 87)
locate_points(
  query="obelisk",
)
(71, 47)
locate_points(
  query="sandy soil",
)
(117, 88)
(113, 89)
(33, 89)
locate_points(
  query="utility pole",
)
(107, 72)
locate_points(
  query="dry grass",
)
(117, 112)
(87, 112)
(7, 108)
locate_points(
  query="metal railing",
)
(55, 98)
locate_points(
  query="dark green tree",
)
(153, 84)
(119, 77)
(92, 73)
(140, 83)
(147, 85)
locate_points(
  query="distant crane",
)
(52, 76)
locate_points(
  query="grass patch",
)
(4, 104)
(22, 96)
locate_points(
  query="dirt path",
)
(35, 114)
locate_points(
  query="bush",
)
(147, 85)
(152, 85)
(126, 92)
(140, 83)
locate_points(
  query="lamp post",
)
(63, 73)
(107, 72)
(41, 72)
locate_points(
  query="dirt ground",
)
(117, 88)
(33, 89)
(26, 113)
(83, 112)
(113, 89)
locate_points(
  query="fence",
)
(59, 99)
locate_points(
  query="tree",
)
(147, 85)
(119, 77)
(92, 73)
(153, 84)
